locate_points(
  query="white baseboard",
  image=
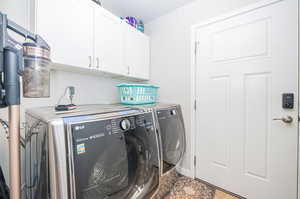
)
(185, 172)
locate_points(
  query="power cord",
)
(6, 129)
(98, 2)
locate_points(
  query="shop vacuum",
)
(31, 61)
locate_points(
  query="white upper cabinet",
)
(85, 37)
(108, 42)
(67, 25)
(136, 52)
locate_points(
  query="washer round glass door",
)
(113, 163)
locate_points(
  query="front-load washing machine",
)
(93, 152)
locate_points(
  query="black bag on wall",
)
(4, 190)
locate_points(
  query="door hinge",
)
(196, 44)
(195, 104)
(195, 161)
(196, 47)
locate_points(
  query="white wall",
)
(17, 10)
(89, 89)
(171, 52)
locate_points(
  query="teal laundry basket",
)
(134, 94)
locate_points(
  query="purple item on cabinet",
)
(132, 21)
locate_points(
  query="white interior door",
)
(244, 65)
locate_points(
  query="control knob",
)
(173, 112)
(125, 124)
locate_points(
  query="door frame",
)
(193, 46)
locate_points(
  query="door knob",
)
(90, 61)
(288, 119)
(98, 62)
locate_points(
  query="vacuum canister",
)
(36, 75)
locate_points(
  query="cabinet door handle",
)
(128, 70)
(98, 62)
(90, 61)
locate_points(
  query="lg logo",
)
(80, 127)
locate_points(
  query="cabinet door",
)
(67, 25)
(108, 42)
(136, 49)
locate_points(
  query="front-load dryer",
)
(172, 133)
(171, 129)
(91, 153)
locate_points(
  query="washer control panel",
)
(125, 124)
(122, 124)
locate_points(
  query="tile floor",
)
(221, 195)
(174, 186)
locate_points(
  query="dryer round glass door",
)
(111, 161)
(172, 135)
